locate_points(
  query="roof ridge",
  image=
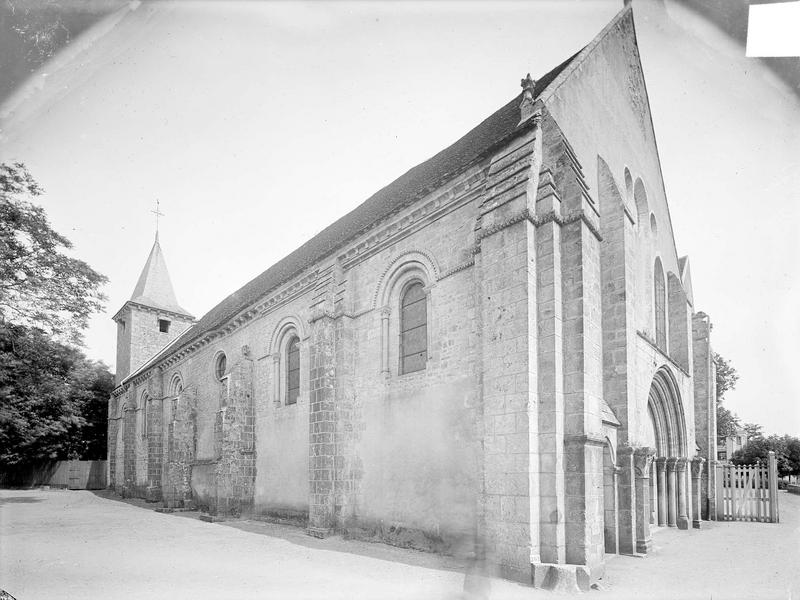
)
(418, 181)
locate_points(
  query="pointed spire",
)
(154, 287)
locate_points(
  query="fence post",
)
(773, 487)
(720, 503)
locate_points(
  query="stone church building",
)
(499, 348)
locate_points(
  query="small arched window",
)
(221, 366)
(176, 385)
(292, 370)
(660, 305)
(145, 401)
(413, 329)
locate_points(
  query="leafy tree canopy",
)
(727, 422)
(754, 430)
(786, 449)
(726, 378)
(53, 400)
(726, 375)
(40, 286)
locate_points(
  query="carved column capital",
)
(697, 466)
(386, 311)
(641, 460)
(625, 451)
(671, 464)
(680, 464)
(661, 463)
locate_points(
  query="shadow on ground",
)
(19, 500)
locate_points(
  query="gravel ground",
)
(720, 561)
(75, 544)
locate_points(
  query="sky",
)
(257, 124)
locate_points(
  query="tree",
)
(727, 422)
(40, 286)
(754, 431)
(786, 449)
(726, 375)
(52, 399)
(726, 378)
(793, 454)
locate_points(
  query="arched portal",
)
(670, 484)
(666, 414)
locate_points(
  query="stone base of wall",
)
(153, 493)
(132, 491)
(283, 516)
(450, 543)
(561, 578)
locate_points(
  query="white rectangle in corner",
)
(774, 30)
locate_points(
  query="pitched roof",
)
(154, 287)
(403, 191)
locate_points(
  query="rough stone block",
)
(561, 578)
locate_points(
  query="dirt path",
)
(719, 561)
(64, 545)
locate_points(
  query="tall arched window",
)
(413, 329)
(660, 305)
(292, 370)
(145, 400)
(220, 366)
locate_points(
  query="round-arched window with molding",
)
(220, 366)
(176, 385)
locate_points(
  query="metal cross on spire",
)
(157, 212)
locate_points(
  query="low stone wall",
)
(72, 474)
(793, 488)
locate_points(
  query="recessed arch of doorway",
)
(665, 409)
(668, 472)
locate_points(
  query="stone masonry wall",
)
(142, 338)
(705, 407)
(509, 347)
(177, 490)
(235, 472)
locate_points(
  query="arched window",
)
(221, 365)
(145, 401)
(413, 329)
(176, 385)
(642, 207)
(292, 370)
(660, 305)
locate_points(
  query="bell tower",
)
(151, 319)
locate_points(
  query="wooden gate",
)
(748, 492)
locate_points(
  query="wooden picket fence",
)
(748, 492)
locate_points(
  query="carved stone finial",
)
(528, 84)
(526, 106)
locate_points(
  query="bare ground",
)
(74, 544)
